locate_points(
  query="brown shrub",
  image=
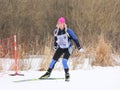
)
(103, 53)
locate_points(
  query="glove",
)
(81, 50)
(55, 48)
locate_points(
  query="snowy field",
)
(96, 78)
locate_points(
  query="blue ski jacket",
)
(72, 36)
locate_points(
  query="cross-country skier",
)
(63, 37)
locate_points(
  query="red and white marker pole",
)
(16, 58)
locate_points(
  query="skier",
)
(63, 37)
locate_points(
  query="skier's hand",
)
(55, 48)
(81, 50)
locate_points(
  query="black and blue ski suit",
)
(63, 45)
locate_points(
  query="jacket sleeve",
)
(74, 38)
(55, 38)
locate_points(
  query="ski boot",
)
(67, 77)
(46, 75)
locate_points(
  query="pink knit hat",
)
(61, 20)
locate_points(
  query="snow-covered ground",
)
(96, 78)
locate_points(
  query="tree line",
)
(33, 21)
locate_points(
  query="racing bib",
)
(62, 41)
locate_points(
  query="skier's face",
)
(61, 26)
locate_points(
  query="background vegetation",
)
(33, 21)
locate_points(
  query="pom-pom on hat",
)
(61, 20)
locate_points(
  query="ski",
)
(37, 79)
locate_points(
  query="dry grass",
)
(103, 53)
(46, 60)
(33, 21)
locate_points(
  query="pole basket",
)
(8, 53)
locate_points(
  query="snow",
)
(84, 77)
(96, 78)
